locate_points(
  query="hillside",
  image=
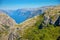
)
(20, 15)
(50, 15)
(42, 27)
(6, 23)
(45, 26)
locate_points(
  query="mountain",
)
(49, 16)
(6, 23)
(5, 19)
(8, 28)
(38, 24)
(21, 15)
(52, 14)
(42, 27)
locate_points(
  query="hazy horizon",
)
(19, 4)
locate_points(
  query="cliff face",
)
(51, 15)
(6, 23)
(46, 26)
(6, 20)
(12, 31)
(57, 23)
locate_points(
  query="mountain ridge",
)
(36, 26)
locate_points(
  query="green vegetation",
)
(47, 33)
(30, 29)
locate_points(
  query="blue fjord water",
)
(20, 16)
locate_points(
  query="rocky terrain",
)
(10, 30)
(6, 24)
(51, 16)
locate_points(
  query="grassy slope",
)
(47, 33)
(29, 30)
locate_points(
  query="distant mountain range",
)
(48, 21)
(21, 15)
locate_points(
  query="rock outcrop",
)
(6, 20)
(51, 16)
(9, 30)
(6, 23)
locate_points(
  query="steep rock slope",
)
(6, 20)
(16, 31)
(51, 15)
(46, 26)
(6, 23)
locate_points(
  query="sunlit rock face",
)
(6, 20)
(6, 23)
(53, 13)
(51, 16)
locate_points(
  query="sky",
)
(19, 4)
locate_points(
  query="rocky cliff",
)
(51, 16)
(6, 23)
(43, 27)
(9, 30)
